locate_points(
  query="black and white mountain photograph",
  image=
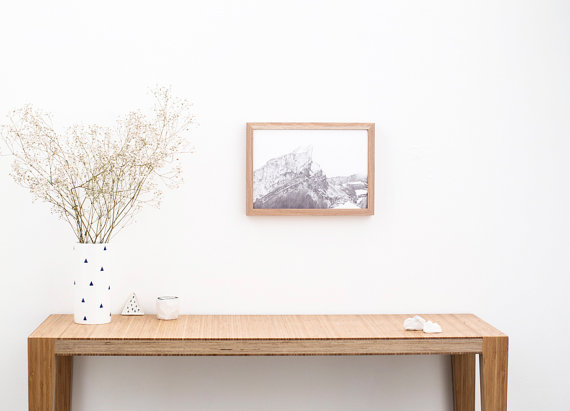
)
(310, 169)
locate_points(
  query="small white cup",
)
(167, 307)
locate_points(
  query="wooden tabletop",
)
(266, 327)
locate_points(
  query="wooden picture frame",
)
(341, 186)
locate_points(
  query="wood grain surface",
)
(63, 378)
(463, 372)
(41, 372)
(235, 327)
(493, 365)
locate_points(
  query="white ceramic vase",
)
(91, 284)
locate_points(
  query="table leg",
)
(49, 377)
(41, 374)
(63, 379)
(493, 364)
(463, 372)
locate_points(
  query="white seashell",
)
(431, 328)
(414, 324)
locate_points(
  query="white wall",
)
(471, 103)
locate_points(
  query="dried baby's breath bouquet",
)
(97, 178)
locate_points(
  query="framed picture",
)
(310, 169)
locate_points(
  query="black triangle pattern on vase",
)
(87, 303)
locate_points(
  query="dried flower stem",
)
(98, 178)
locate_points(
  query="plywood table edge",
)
(355, 339)
(285, 347)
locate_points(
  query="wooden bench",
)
(53, 344)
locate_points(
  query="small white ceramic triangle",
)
(132, 306)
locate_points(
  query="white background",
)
(471, 103)
(337, 152)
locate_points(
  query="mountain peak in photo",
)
(294, 180)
